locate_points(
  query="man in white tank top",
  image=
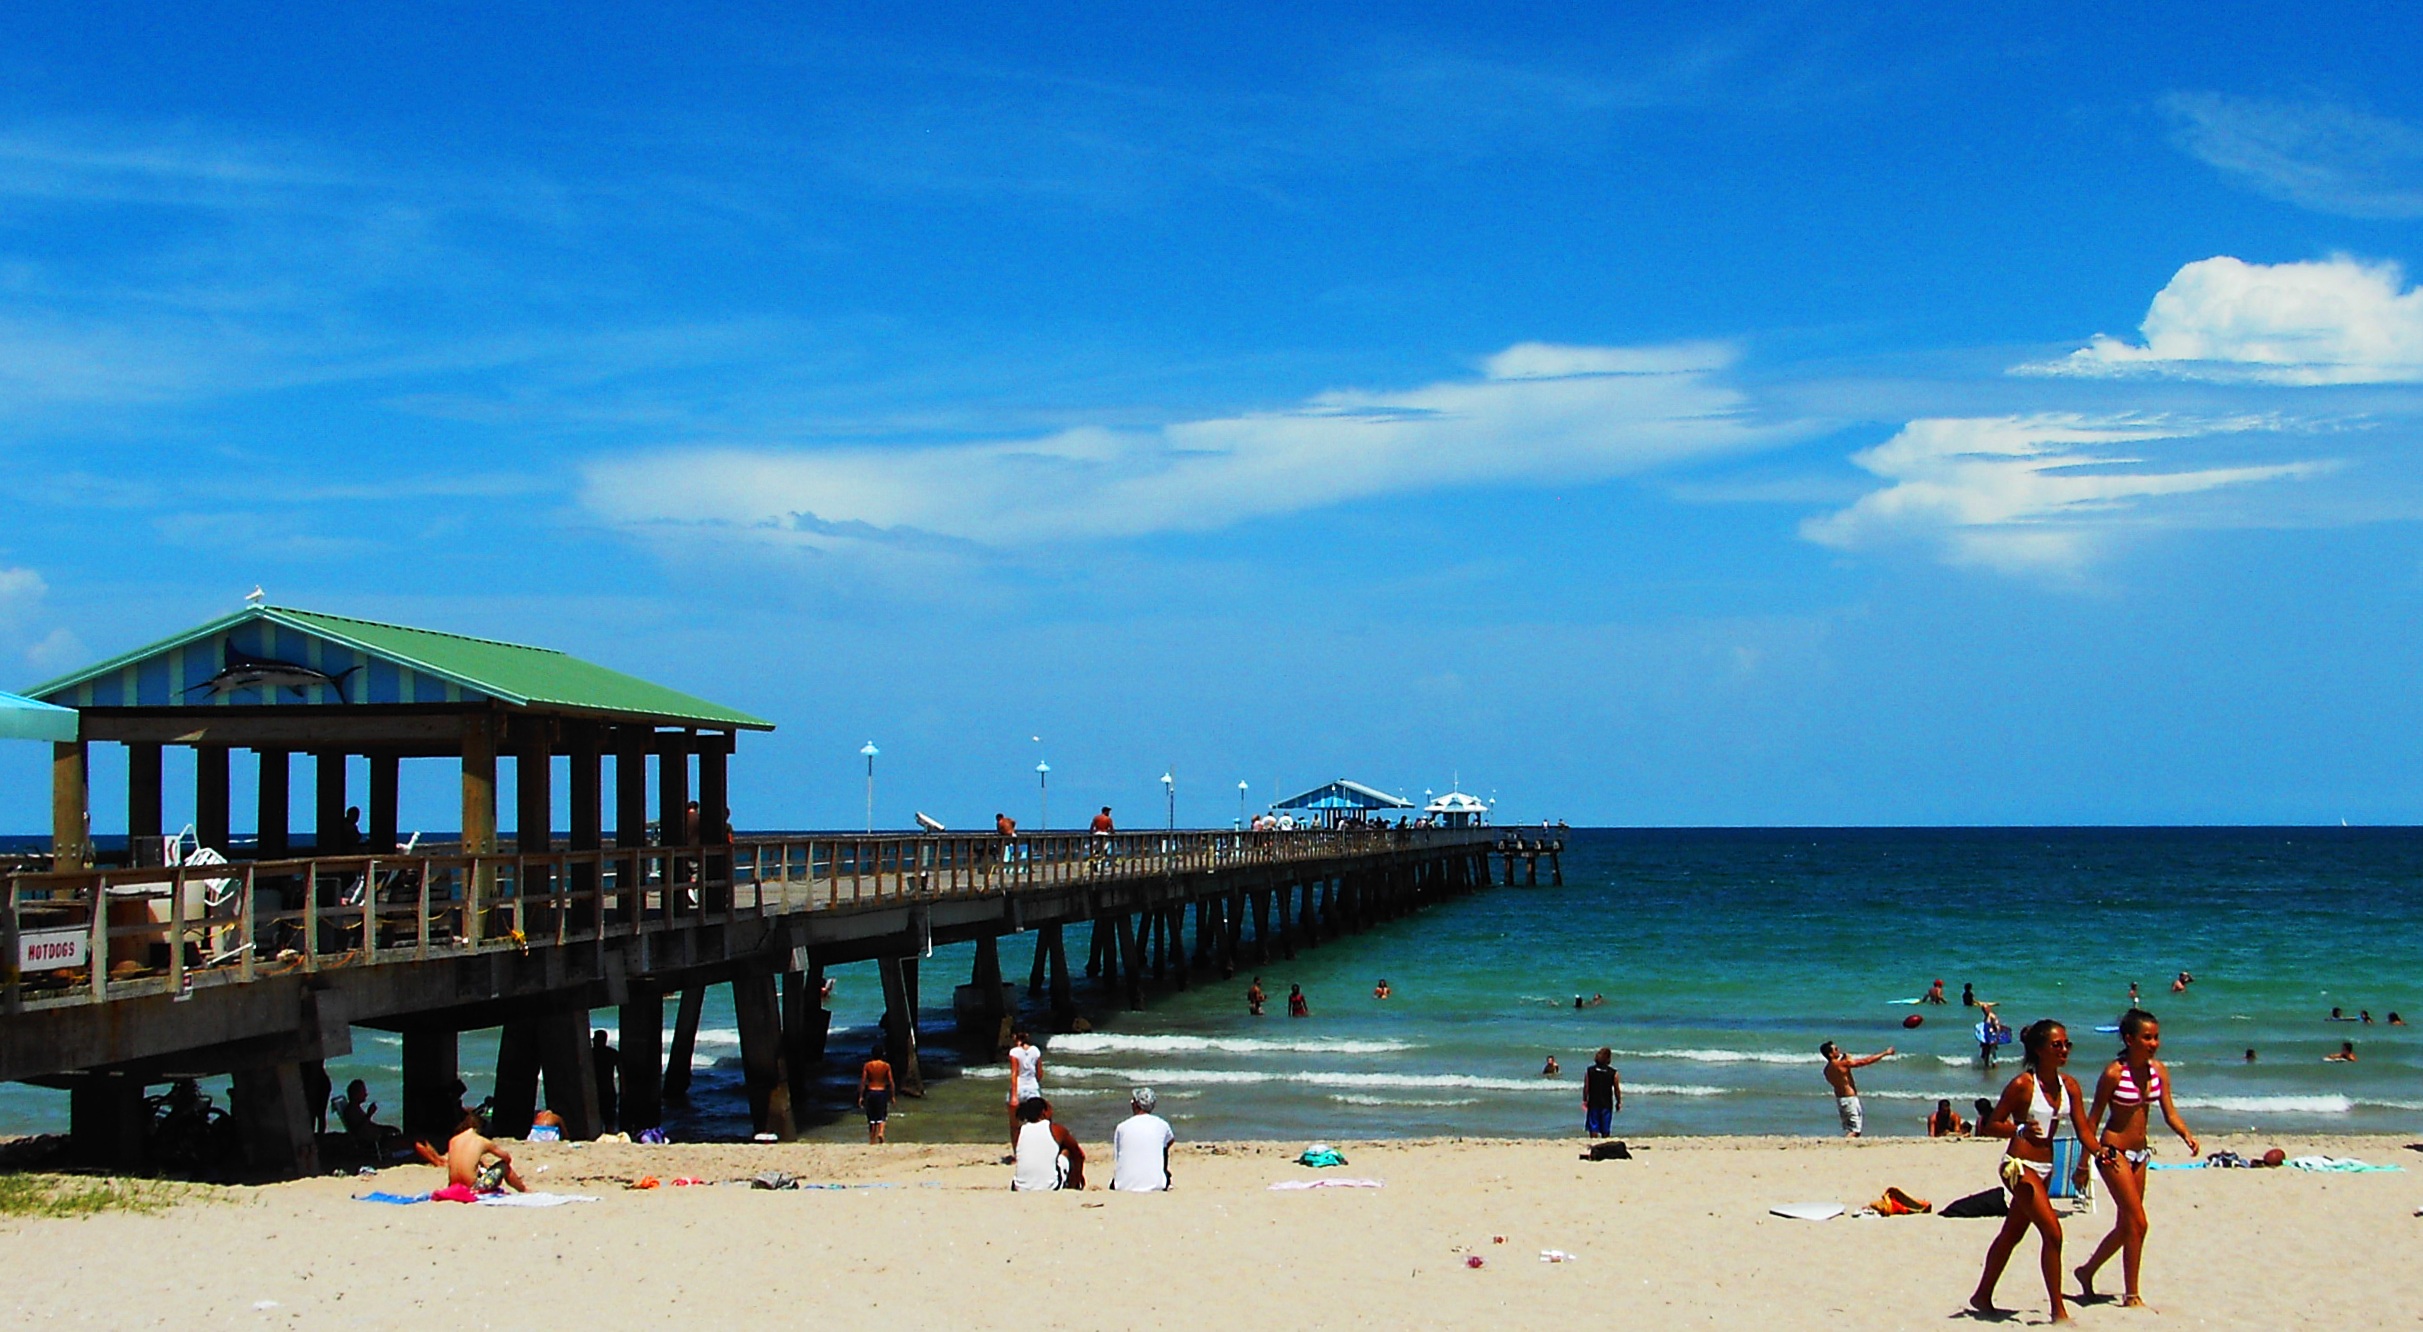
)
(1044, 1160)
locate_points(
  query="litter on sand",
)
(1809, 1211)
(532, 1199)
(1328, 1184)
(1555, 1256)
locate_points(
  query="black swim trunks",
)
(879, 1106)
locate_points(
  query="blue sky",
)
(1799, 415)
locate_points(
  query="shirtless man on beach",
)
(467, 1162)
(1846, 1090)
(875, 1094)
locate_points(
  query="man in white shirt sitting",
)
(1140, 1147)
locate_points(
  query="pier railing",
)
(89, 936)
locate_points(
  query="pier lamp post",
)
(1240, 807)
(1043, 788)
(870, 751)
(1169, 787)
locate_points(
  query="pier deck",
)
(140, 975)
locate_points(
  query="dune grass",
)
(70, 1196)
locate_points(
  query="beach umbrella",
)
(24, 718)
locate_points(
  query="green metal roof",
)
(510, 673)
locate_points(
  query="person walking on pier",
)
(1026, 1079)
(875, 1088)
(1140, 1147)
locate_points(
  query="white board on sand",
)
(1808, 1211)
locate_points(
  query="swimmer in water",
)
(2346, 1055)
(1550, 1070)
(1934, 994)
(1381, 990)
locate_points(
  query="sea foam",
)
(1103, 1042)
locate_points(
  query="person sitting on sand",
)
(1296, 1006)
(1984, 1108)
(1946, 1122)
(1047, 1156)
(359, 1114)
(1934, 994)
(1255, 999)
(1550, 1069)
(1140, 1147)
(2346, 1055)
(1846, 1090)
(468, 1163)
(1381, 990)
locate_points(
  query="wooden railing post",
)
(98, 947)
(12, 977)
(250, 927)
(176, 932)
(311, 915)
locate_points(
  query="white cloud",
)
(59, 652)
(2316, 155)
(2027, 493)
(1541, 413)
(2331, 321)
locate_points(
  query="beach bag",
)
(1608, 1151)
(1320, 1155)
(1989, 1203)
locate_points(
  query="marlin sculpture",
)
(269, 674)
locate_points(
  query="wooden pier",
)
(260, 969)
(1530, 848)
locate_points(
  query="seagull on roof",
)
(255, 596)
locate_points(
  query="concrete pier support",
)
(1262, 951)
(106, 1122)
(685, 1043)
(900, 1022)
(566, 1062)
(430, 1073)
(1130, 961)
(643, 1070)
(273, 1116)
(758, 1013)
(517, 1068)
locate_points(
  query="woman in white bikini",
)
(2030, 1106)
(2131, 1085)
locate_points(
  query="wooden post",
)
(588, 814)
(479, 785)
(328, 834)
(758, 1014)
(143, 804)
(517, 1071)
(1173, 924)
(276, 794)
(1287, 925)
(900, 1024)
(570, 1066)
(1262, 926)
(714, 828)
(642, 1020)
(273, 1116)
(210, 795)
(430, 1075)
(673, 790)
(534, 790)
(1156, 941)
(1130, 961)
(1232, 938)
(630, 817)
(685, 1040)
(379, 817)
(820, 1018)
(1034, 975)
(69, 773)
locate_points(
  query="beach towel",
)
(1328, 1184)
(399, 1199)
(2339, 1165)
(460, 1193)
(532, 1199)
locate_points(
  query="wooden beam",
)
(71, 847)
(211, 795)
(330, 833)
(534, 793)
(517, 1067)
(630, 786)
(143, 803)
(565, 1061)
(287, 727)
(431, 1078)
(273, 1117)
(276, 798)
(900, 1024)
(479, 784)
(804, 1021)
(386, 773)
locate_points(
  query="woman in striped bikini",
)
(2131, 1085)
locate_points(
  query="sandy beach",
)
(1679, 1235)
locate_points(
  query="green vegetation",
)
(75, 1195)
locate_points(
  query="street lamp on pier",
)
(870, 752)
(1169, 787)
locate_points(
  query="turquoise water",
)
(1724, 956)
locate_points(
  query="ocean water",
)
(1724, 958)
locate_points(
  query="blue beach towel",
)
(399, 1199)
